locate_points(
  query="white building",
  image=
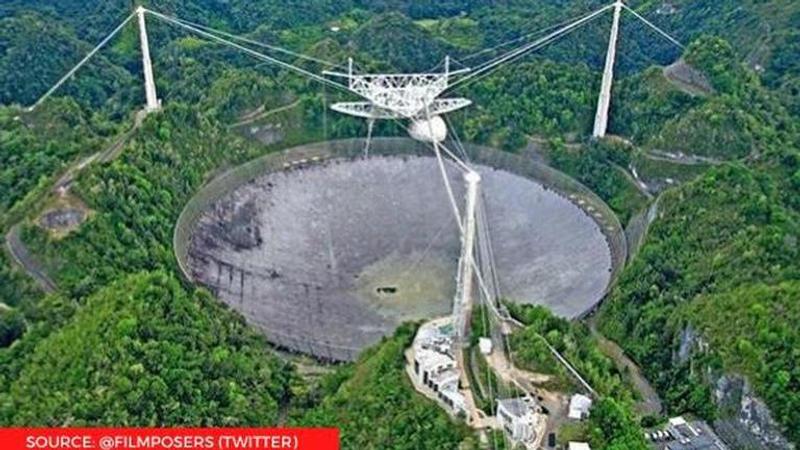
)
(518, 419)
(435, 367)
(682, 435)
(578, 446)
(428, 363)
(485, 345)
(445, 385)
(579, 406)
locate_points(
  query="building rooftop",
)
(485, 345)
(434, 332)
(579, 406)
(432, 359)
(447, 377)
(578, 446)
(456, 397)
(515, 406)
(682, 435)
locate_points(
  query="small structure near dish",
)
(519, 418)
(485, 345)
(579, 406)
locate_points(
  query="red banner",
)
(169, 438)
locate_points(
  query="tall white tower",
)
(462, 306)
(153, 104)
(604, 101)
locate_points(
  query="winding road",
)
(650, 403)
(22, 257)
(16, 248)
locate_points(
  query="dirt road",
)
(21, 255)
(17, 249)
(650, 403)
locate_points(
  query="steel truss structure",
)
(399, 95)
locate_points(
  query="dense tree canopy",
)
(719, 239)
(374, 405)
(127, 357)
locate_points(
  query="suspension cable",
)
(82, 62)
(520, 38)
(654, 27)
(487, 238)
(463, 165)
(540, 45)
(446, 180)
(456, 139)
(516, 53)
(492, 401)
(256, 43)
(251, 52)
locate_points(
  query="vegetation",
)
(12, 326)
(611, 424)
(719, 129)
(611, 427)
(601, 166)
(29, 157)
(46, 51)
(722, 257)
(574, 341)
(543, 99)
(375, 406)
(127, 357)
(396, 39)
(645, 102)
(16, 289)
(719, 240)
(748, 342)
(653, 167)
(137, 199)
(462, 32)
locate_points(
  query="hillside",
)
(30, 41)
(126, 357)
(375, 405)
(715, 279)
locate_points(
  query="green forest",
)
(712, 291)
(612, 423)
(375, 405)
(126, 356)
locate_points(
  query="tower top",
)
(472, 177)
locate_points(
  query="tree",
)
(12, 326)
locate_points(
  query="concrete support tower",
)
(153, 104)
(604, 101)
(462, 306)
